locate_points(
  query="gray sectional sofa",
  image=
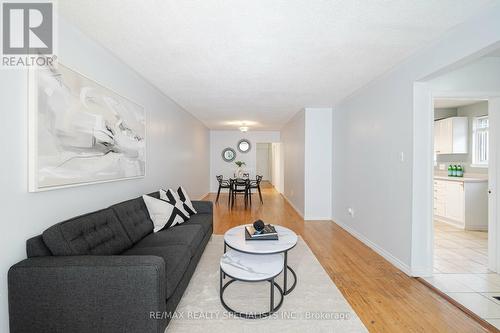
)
(106, 271)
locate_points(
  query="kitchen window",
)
(480, 142)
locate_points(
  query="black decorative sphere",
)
(259, 225)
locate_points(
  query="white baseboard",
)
(381, 251)
(315, 218)
(293, 206)
(203, 196)
(477, 228)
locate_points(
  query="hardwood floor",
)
(384, 298)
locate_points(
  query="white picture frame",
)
(94, 135)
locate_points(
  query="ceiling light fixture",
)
(244, 127)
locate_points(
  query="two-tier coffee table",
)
(258, 250)
(238, 266)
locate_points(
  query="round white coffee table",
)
(234, 238)
(251, 268)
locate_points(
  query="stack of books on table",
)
(268, 233)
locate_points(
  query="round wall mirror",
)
(244, 146)
(228, 154)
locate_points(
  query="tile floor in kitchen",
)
(461, 270)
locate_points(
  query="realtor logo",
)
(27, 28)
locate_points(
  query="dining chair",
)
(223, 184)
(239, 186)
(255, 184)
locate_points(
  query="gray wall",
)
(470, 111)
(293, 143)
(318, 164)
(375, 126)
(177, 152)
(307, 141)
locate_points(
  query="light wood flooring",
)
(384, 298)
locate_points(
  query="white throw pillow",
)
(174, 199)
(188, 205)
(163, 214)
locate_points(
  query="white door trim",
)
(493, 176)
(422, 247)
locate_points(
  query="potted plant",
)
(239, 170)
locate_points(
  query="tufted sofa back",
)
(96, 233)
(134, 217)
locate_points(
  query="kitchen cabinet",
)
(462, 202)
(451, 135)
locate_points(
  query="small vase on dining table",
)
(239, 172)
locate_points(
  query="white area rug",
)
(315, 305)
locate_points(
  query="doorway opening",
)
(454, 230)
(460, 187)
(464, 211)
(270, 164)
(263, 161)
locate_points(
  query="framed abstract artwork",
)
(81, 132)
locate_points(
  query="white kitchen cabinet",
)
(462, 202)
(454, 201)
(450, 135)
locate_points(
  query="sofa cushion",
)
(203, 207)
(177, 258)
(190, 235)
(35, 247)
(134, 217)
(184, 197)
(155, 195)
(204, 220)
(172, 197)
(163, 213)
(97, 233)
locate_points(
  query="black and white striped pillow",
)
(174, 199)
(188, 205)
(163, 214)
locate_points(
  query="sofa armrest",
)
(88, 294)
(203, 207)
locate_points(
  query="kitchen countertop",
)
(466, 178)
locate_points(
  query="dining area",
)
(241, 169)
(240, 188)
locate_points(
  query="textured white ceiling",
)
(263, 60)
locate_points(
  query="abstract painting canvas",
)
(81, 132)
